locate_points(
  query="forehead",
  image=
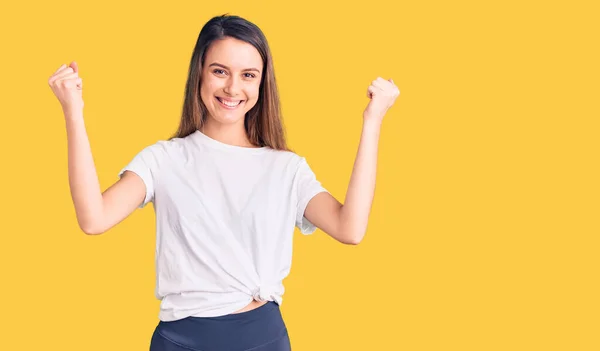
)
(233, 53)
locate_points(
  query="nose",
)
(232, 87)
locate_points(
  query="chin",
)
(227, 118)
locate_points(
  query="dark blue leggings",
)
(260, 329)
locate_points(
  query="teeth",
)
(230, 104)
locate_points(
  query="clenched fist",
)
(68, 87)
(383, 94)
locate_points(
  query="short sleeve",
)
(307, 186)
(146, 165)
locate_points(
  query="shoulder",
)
(295, 165)
(165, 147)
(154, 155)
(288, 158)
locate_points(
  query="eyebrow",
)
(220, 65)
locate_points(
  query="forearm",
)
(354, 214)
(83, 179)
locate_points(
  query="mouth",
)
(229, 104)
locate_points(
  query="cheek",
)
(253, 93)
(207, 86)
(207, 89)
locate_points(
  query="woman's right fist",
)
(68, 87)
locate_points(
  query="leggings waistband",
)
(262, 328)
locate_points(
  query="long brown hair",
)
(263, 123)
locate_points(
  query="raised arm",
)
(96, 211)
(347, 223)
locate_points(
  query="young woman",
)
(227, 193)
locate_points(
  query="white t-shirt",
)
(225, 216)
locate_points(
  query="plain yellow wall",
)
(484, 232)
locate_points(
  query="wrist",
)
(372, 122)
(73, 113)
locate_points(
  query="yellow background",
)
(484, 232)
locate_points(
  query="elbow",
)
(92, 224)
(349, 235)
(90, 229)
(353, 239)
(350, 232)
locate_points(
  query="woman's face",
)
(230, 80)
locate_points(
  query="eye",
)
(250, 75)
(218, 71)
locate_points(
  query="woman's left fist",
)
(383, 94)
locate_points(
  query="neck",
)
(232, 134)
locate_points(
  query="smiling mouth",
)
(229, 104)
